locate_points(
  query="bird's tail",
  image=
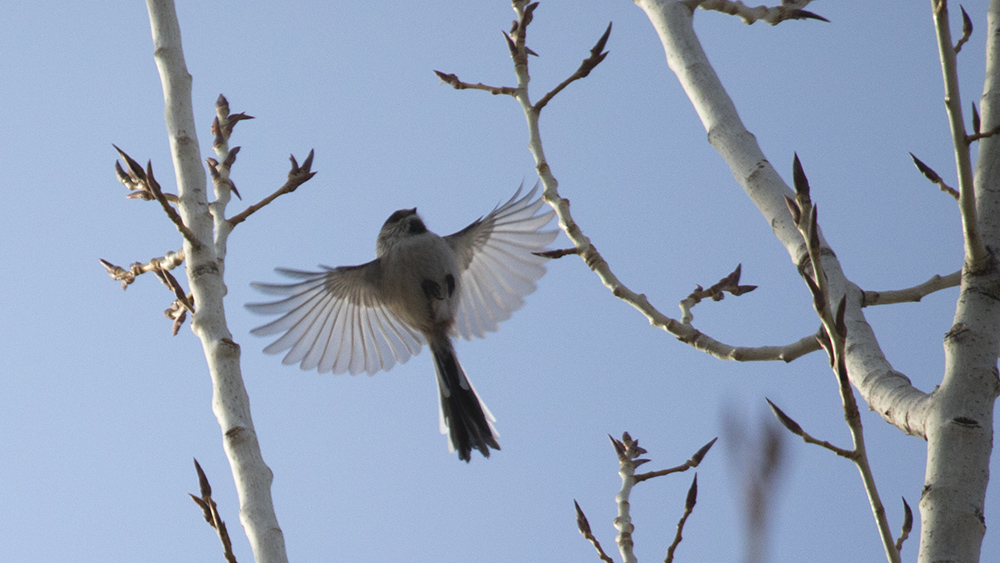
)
(463, 415)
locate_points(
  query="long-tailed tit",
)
(420, 288)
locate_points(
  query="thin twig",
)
(982, 135)
(558, 253)
(584, 526)
(904, 533)
(728, 284)
(628, 451)
(966, 30)
(172, 213)
(222, 130)
(690, 501)
(145, 186)
(912, 294)
(168, 261)
(933, 176)
(211, 513)
(787, 10)
(834, 338)
(297, 176)
(454, 82)
(976, 256)
(597, 54)
(695, 461)
(589, 253)
(796, 429)
(184, 302)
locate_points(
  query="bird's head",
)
(401, 224)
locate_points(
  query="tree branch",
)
(584, 526)
(886, 390)
(689, 502)
(169, 261)
(145, 187)
(728, 284)
(297, 176)
(787, 10)
(628, 451)
(230, 402)
(933, 176)
(596, 262)
(796, 429)
(835, 340)
(960, 435)
(975, 251)
(211, 513)
(454, 82)
(695, 461)
(904, 533)
(911, 294)
(597, 54)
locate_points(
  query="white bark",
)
(957, 418)
(229, 402)
(960, 429)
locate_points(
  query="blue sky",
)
(102, 410)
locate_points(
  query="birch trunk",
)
(957, 418)
(230, 402)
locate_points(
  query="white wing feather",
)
(498, 267)
(333, 322)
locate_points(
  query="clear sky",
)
(102, 410)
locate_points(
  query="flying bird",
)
(421, 288)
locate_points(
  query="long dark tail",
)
(462, 412)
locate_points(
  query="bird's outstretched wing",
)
(498, 268)
(333, 321)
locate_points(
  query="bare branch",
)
(145, 186)
(629, 452)
(695, 461)
(728, 284)
(835, 342)
(692, 499)
(252, 478)
(982, 135)
(912, 294)
(220, 167)
(211, 513)
(222, 129)
(584, 526)
(453, 81)
(966, 32)
(976, 256)
(183, 303)
(907, 524)
(595, 261)
(796, 429)
(933, 176)
(296, 177)
(168, 261)
(588, 64)
(558, 253)
(787, 10)
(172, 213)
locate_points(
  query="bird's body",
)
(426, 272)
(420, 288)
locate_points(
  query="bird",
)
(421, 288)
